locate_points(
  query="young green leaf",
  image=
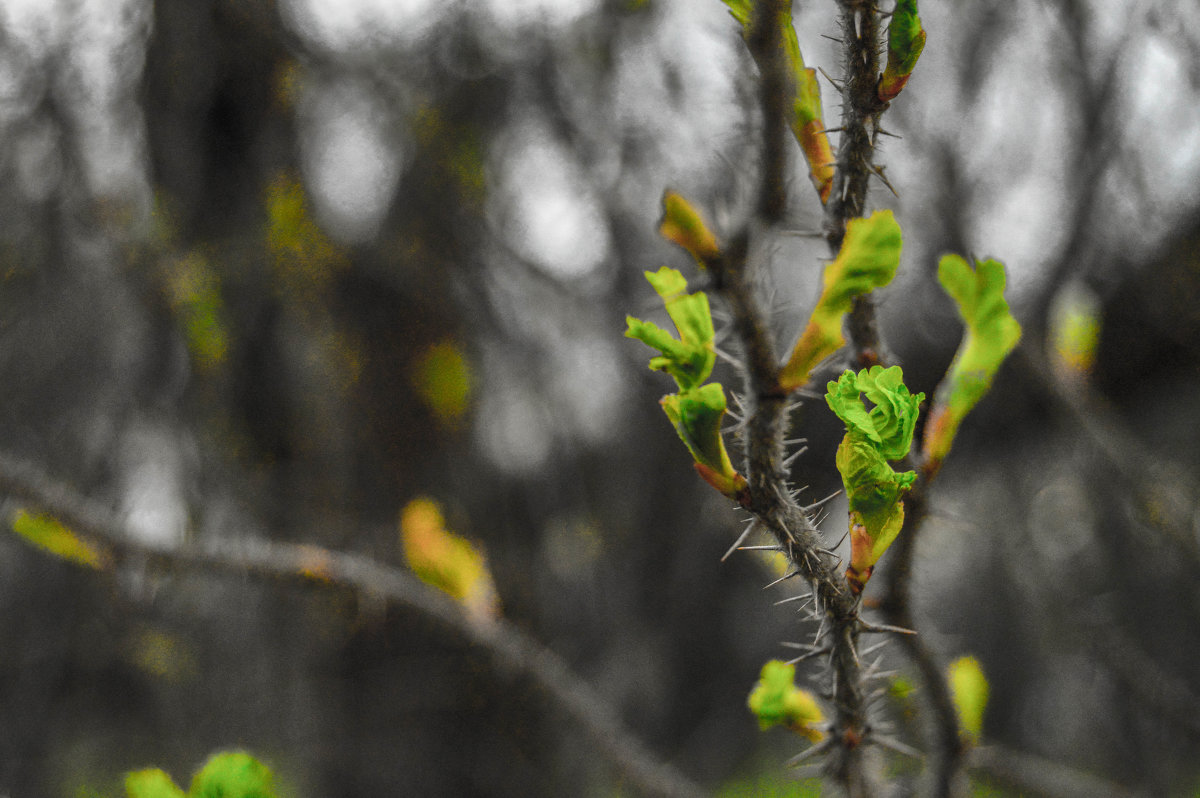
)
(45, 532)
(873, 437)
(690, 358)
(683, 224)
(233, 774)
(776, 701)
(445, 560)
(991, 334)
(807, 115)
(696, 416)
(868, 259)
(151, 783)
(906, 40)
(969, 687)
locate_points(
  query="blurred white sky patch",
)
(544, 207)
(350, 161)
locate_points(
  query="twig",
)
(511, 647)
(1034, 774)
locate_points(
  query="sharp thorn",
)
(893, 744)
(816, 504)
(788, 575)
(810, 752)
(800, 597)
(749, 528)
(760, 548)
(882, 628)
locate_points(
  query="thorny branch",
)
(513, 649)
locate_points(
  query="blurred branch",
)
(947, 749)
(1034, 774)
(511, 647)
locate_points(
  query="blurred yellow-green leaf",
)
(151, 783)
(45, 532)
(195, 297)
(969, 687)
(1076, 332)
(444, 560)
(775, 700)
(442, 377)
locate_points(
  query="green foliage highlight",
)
(45, 532)
(776, 701)
(697, 410)
(195, 297)
(906, 40)
(230, 774)
(151, 783)
(234, 774)
(445, 560)
(683, 224)
(873, 437)
(868, 259)
(991, 334)
(442, 378)
(1076, 333)
(806, 112)
(970, 690)
(690, 358)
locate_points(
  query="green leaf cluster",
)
(991, 334)
(697, 409)
(906, 40)
(776, 701)
(231, 774)
(874, 436)
(868, 259)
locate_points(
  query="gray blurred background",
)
(278, 268)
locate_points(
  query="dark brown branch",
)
(765, 41)
(512, 648)
(861, 109)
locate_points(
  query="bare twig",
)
(512, 648)
(1042, 776)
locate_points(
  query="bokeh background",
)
(279, 268)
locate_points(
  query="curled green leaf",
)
(906, 40)
(991, 334)
(690, 358)
(776, 701)
(868, 259)
(873, 437)
(696, 416)
(890, 422)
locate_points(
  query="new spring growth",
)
(683, 225)
(776, 701)
(232, 774)
(874, 435)
(806, 118)
(991, 333)
(868, 260)
(697, 409)
(906, 40)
